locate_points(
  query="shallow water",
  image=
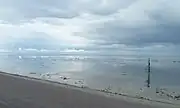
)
(117, 73)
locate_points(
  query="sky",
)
(130, 26)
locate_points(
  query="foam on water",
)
(122, 74)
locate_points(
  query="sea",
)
(118, 73)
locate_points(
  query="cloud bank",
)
(91, 24)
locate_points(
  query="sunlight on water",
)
(124, 74)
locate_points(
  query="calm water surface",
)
(121, 73)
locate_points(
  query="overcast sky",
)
(104, 24)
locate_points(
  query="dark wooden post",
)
(149, 72)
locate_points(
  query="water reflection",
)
(122, 73)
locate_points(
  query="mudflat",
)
(19, 92)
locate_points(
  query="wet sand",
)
(23, 92)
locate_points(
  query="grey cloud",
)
(158, 34)
(131, 22)
(41, 41)
(160, 28)
(29, 9)
(104, 7)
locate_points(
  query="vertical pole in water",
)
(149, 71)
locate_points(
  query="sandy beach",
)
(23, 92)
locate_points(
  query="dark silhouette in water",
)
(149, 71)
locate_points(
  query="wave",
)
(31, 49)
(74, 50)
(44, 50)
(5, 50)
(37, 50)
